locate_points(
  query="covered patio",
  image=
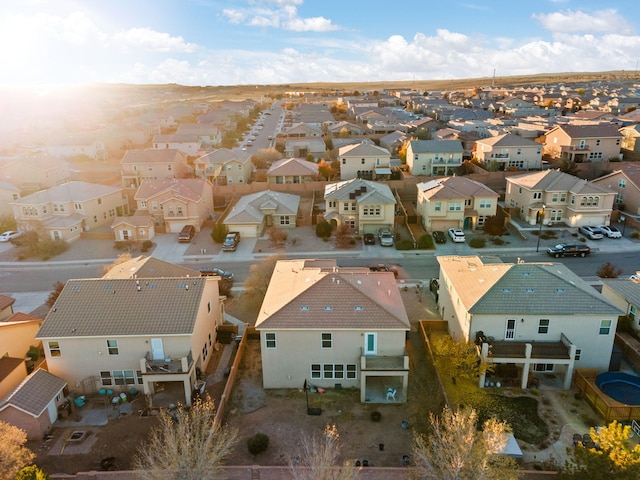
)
(384, 379)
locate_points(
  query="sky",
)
(215, 42)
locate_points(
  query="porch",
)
(384, 379)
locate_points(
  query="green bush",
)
(323, 229)
(258, 443)
(218, 232)
(477, 242)
(404, 244)
(425, 242)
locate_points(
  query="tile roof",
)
(436, 146)
(189, 189)
(19, 318)
(509, 140)
(627, 289)
(293, 166)
(557, 181)
(363, 150)
(315, 296)
(138, 219)
(34, 393)
(119, 307)
(453, 188)
(6, 301)
(149, 267)
(250, 208)
(600, 130)
(366, 191)
(152, 155)
(176, 138)
(69, 192)
(222, 156)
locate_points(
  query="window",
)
(315, 370)
(284, 220)
(326, 340)
(105, 377)
(112, 347)
(537, 195)
(563, 197)
(622, 183)
(543, 367)
(124, 377)
(455, 206)
(485, 203)
(597, 142)
(362, 161)
(633, 311)
(554, 198)
(578, 354)
(619, 198)
(467, 202)
(605, 327)
(332, 204)
(54, 349)
(333, 371)
(556, 216)
(270, 340)
(437, 206)
(543, 326)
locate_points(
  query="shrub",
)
(218, 232)
(258, 443)
(635, 234)
(404, 244)
(425, 242)
(477, 242)
(323, 229)
(48, 247)
(582, 239)
(146, 245)
(497, 241)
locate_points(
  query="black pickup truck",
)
(565, 250)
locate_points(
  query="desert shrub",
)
(323, 229)
(497, 241)
(258, 443)
(477, 242)
(48, 247)
(635, 234)
(582, 239)
(425, 242)
(218, 232)
(146, 245)
(121, 245)
(404, 244)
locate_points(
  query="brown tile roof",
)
(187, 188)
(8, 365)
(302, 296)
(557, 181)
(293, 166)
(20, 317)
(97, 307)
(149, 267)
(152, 155)
(455, 188)
(34, 393)
(6, 301)
(600, 130)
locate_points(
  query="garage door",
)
(444, 225)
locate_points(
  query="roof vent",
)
(139, 288)
(186, 287)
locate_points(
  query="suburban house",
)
(454, 202)
(254, 213)
(292, 170)
(33, 404)
(630, 144)
(303, 130)
(362, 205)
(509, 151)
(624, 293)
(552, 196)
(344, 129)
(434, 157)
(132, 333)
(208, 133)
(363, 160)
(6, 306)
(583, 143)
(149, 267)
(626, 184)
(67, 210)
(302, 148)
(224, 167)
(152, 164)
(527, 317)
(393, 141)
(35, 172)
(189, 144)
(174, 203)
(334, 327)
(8, 193)
(78, 146)
(138, 227)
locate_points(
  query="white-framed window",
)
(537, 195)
(543, 326)
(633, 311)
(437, 206)
(605, 327)
(54, 349)
(332, 204)
(563, 197)
(327, 340)
(543, 367)
(124, 377)
(619, 198)
(335, 371)
(556, 216)
(485, 203)
(578, 354)
(371, 343)
(284, 220)
(112, 347)
(270, 340)
(554, 198)
(622, 183)
(455, 206)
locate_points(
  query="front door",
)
(157, 349)
(510, 332)
(370, 344)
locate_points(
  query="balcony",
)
(169, 365)
(384, 363)
(576, 148)
(539, 350)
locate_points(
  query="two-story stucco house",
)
(76, 146)
(224, 167)
(124, 333)
(624, 293)
(174, 203)
(533, 317)
(583, 143)
(626, 183)
(152, 164)
(207, 132)
(362, 205)
(19, 350)
(254, 213)
(509, 151)
(8, 193)
(434, 157)
(304, 147)
(67, 210)
(454, 202)
(303, 130)
(333, 326)
(363, 160)
(189, 144)
(552, 196)
(292, 170)
(35, 172)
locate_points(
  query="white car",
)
(9, 235)
(610, 232)
(456, 235)
(593, 233)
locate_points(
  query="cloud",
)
(284, 15)
(151, 40)
(600, 21)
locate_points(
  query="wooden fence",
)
(610, 409)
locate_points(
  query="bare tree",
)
(255, 286)
(456, 449)
(318, 458)
(187, 445)
(123, 257)
(13, 454)
(55, 293)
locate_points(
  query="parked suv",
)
(564, 250)
(186, 234)
(386, 237)
(594, 233)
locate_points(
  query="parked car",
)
(9, 235)
(386, 237)
(439, 236)
(565, 250)
(593, 233)
(369, 239)
(231, 242)
(216, 272)
(186, 234)
(456, 235)
(610, 232)
(384, 267)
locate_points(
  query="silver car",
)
(593, 233)
(386, 237)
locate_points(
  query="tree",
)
(187, 445)
(458, 358)
(494, 226)
(318, 458)
(456, 449)
(32, 472)
(323, 229)
(609, 270)
(614, 457)
(13, 454)
(325, 170)
(256, 284)
(218, 232)
(7, 222)
(122, 258)
(53, 296)
(277, 236)
(569, 167)
(264, 157)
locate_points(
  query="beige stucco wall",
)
(35, 428)
(16, 339)
(12, 378)
(289, 364)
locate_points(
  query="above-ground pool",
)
(622, 387)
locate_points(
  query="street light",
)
(540, 231)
